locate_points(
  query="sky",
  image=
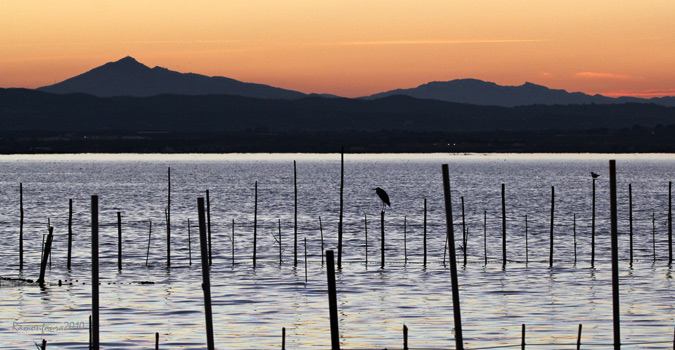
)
(351, 48)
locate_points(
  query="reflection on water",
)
(251, 306)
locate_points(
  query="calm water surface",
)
(252, 305)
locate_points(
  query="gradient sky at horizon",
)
(351, 48)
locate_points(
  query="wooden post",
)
(382, 239)
(405, 240)
(70, 231)
(280, 259)
(283, 337)
(630, 222)
(485, 236)
(503, 227)
(232, 242)
(522, 342)
(45, 257)
(550, 252)
(20, 226)
(44, 344)
(90, 334)
(255, 224)
(574, 232)
(206, 279)
(321, 232)
(119, 241)
(332, 301)
(450, 234)
(342, 185)
(593, 228)
(464, 233)
(94, 273)
(295, 216)
(189, 243)
(147, 253)
(424, 238)
(405, 337)
(208, 224)
(579, 338)
(168, 220)
(670, 223)
(615, 255)
(156, 340)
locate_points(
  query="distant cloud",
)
(182, 42)
(596, 75)
(641, 93)
(426, 42)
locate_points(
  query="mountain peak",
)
(128, 77)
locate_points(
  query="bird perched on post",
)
(595, 176)
(383, 196)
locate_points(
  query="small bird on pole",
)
(595, 176)
(383, 196)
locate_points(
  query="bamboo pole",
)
(332, 301)
(280, 258)
(232, 242)
(615, 255)
(630, 222)
(459, 339)
(670, 223)
(208, 224)
(147, 253)
(295, 216)
(574, 232)
(382, 239)
(654, 236)
(168, 220)
(550, 256)
(255, 224)
(405, 240)
(593, 228)
(527, 246)
(424, 238)
(70, 231)
(485, 236)
(305, 259)
(503, 227)
(189, 243)
(119, 241)
(321, 232)
(342, 185)
(20, 226)
(365, 223)
(94, 273)
(464, 232)
(206, 279)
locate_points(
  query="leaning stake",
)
(615, 255)
(206, 280)
(459, 341)
(332, 301)
(45, 257)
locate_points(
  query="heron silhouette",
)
(383, 196)
(595, 176)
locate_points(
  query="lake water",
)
(251, 306)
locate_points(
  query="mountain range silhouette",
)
(128, 77)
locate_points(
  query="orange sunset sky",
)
(351, 48)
